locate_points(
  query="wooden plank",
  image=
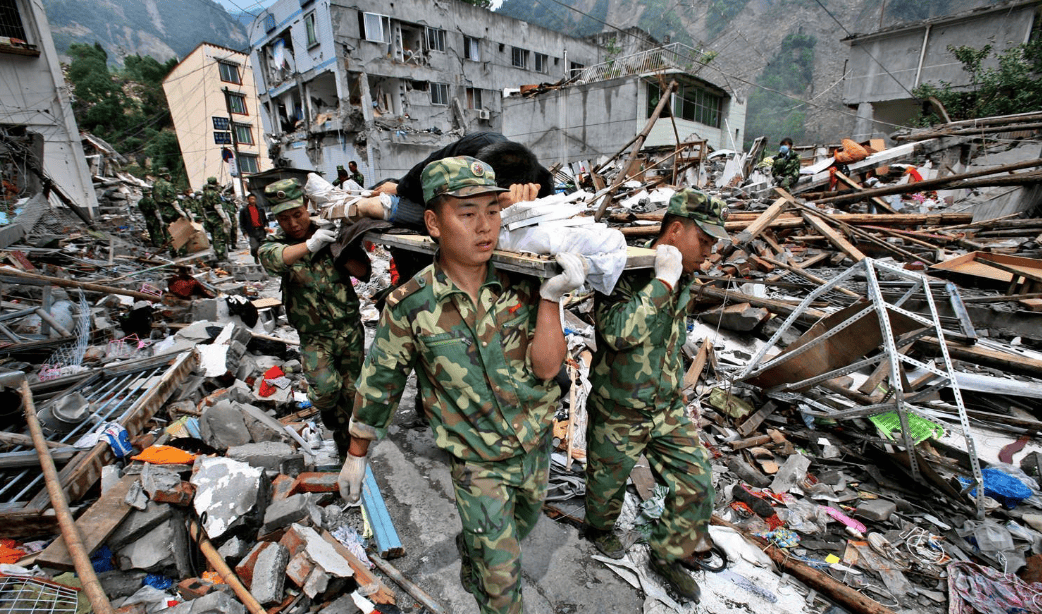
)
(387, 543)
(990, 358)
(642, 478)
(754, 421)
(834, 237)
(96, 525)
(699, 363)
(363, 576)
(764, 221)
(526, 264)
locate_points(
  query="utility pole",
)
(235, 142)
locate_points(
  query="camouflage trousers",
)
(499, 503)
(615, 439)
(157, 234)
(332, 362)
(218, 238)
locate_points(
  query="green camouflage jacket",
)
(473, 365)
(786, 166)
(146, 205)
(641, 329)
(211, 206)
(163, 191)
(318, 296)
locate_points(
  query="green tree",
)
(1012, 85)
(771, 112)
(99, 101)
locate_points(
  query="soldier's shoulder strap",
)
(418, 282)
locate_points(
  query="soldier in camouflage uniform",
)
(156, 231)
(166, 203)
(636, 405)
(320, 303)
(486, 345)
(786, 168)
(217, 223)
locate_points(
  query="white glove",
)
(350, 479)
(573, 275)
(669, 264)
(321, 238)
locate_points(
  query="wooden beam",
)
(1013, 363)
(96, 525)
(834, 237)
(857, 187)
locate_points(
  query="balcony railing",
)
(672, 56)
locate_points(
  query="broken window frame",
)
(366, 20)
(229, 72)
(574, 68)
(14, 26)
(247, 164)
(243, 130)
(310, 31)
(542, 62)
(439, 39)
(474, 98)
(518, 57)
(439, 91)
(237, 104)
(691, 102)
(472, 48)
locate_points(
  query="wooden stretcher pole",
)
(70, 532)
(223, 570)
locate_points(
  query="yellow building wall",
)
(195, 92)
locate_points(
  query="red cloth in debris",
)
(9, 552)
(185, 287)
(266, 389)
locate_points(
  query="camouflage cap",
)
(460, 176)
(211, 180)
(340, 168)
(709, 213)
(284, 195)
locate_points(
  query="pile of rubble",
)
(864, 366)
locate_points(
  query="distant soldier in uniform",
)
(320, 303)
(157, 234)
(486, 345)
(355, 175)
(786, 168)
(341, 176)
(217, 222)
(168, 206)
(636, 405)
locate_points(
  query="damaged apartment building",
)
(41, 157)
(386, 83)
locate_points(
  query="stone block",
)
(138, 524)
(266, 455)
(231, 494)
(216, 602)
(262, 426)
(245, 567)
(118, 584)
(204, 309)
(223, 426)
(284, 512)
(299, 568)
(164, 547)
(282, 486)
(876, 510)
(343, 604)
(194, 588)
(269, 574)
(234, 549)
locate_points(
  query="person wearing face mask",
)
(786, 169)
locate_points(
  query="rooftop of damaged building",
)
(170, 397)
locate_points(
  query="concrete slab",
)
(230, 492)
